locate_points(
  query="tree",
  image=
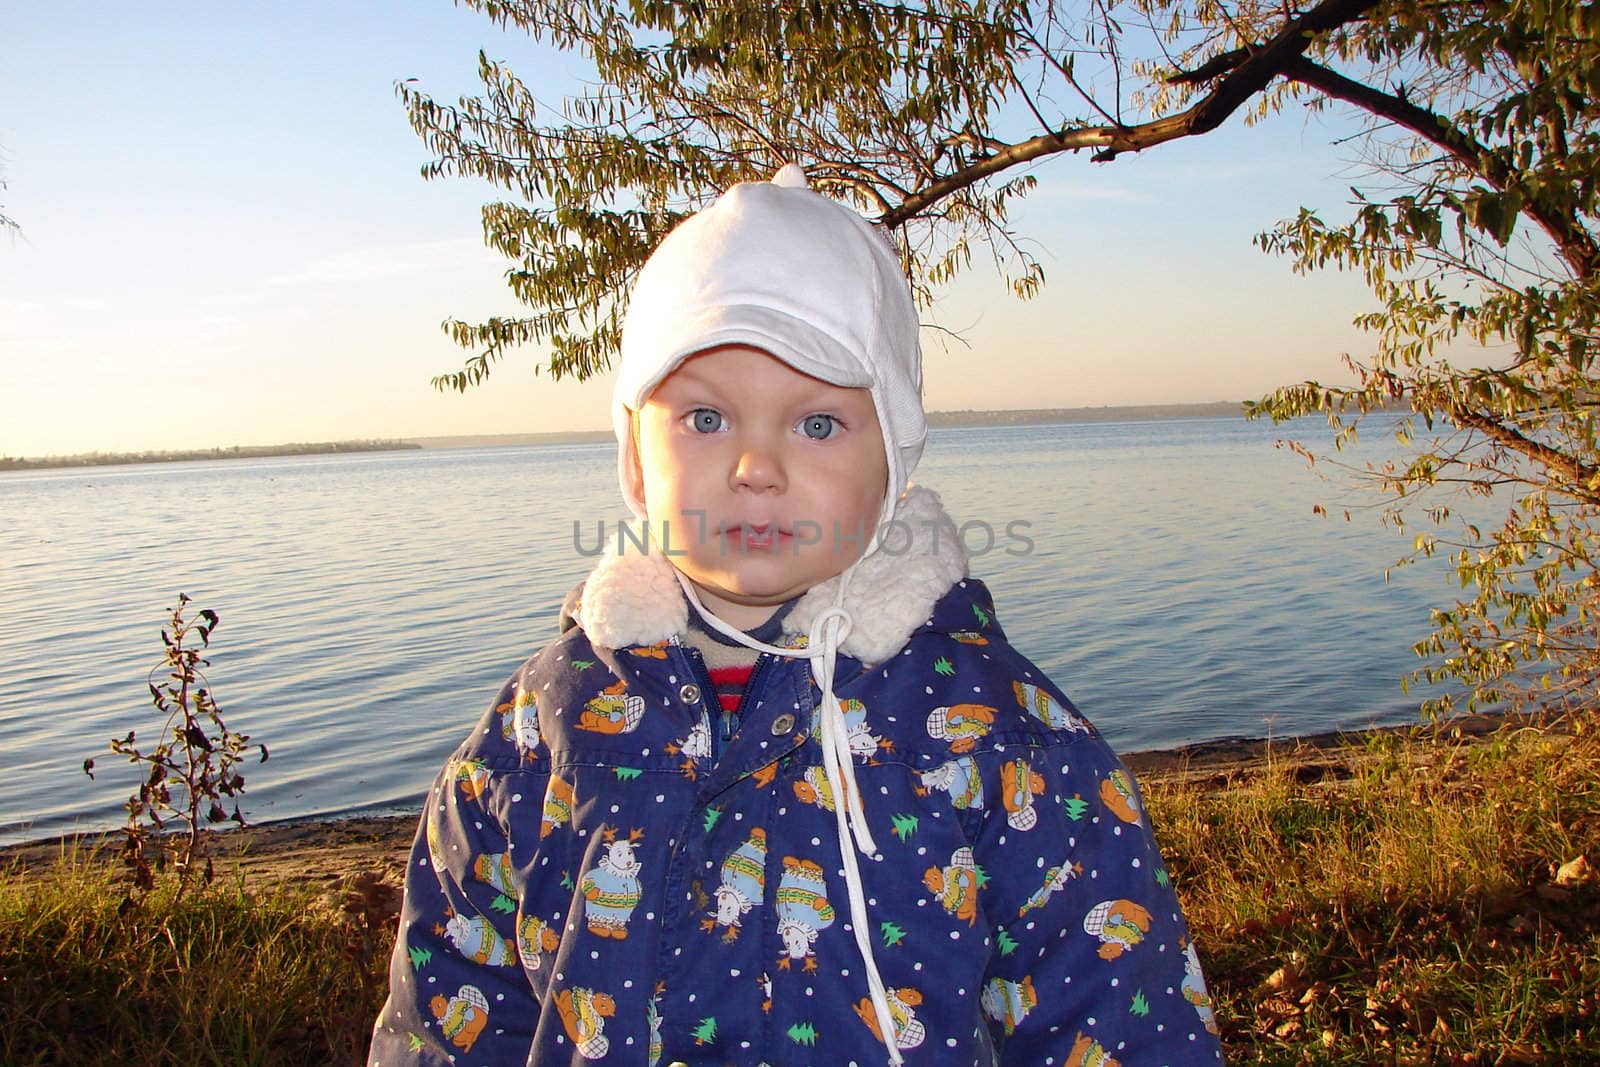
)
(1485, 233)
(1480, 127)
(923, 117)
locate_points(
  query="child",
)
(782, 792)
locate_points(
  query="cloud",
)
(23, 318)
(388, 262)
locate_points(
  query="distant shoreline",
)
(936, 419)
(113, 459)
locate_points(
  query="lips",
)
(756, 536)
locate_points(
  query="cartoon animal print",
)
(494, 870)
(1119, 924)
(1047, 709)
(969, 637)
(1008, 1002)
(697, 743)
(461, 1017)
(956, 886)
(583, 1015)
(472, 778)
(1055, 880)
(908, 1029)
(479, 942)
(959, 778)
(611, 889)
(614, 711)
(656, 1046)
(961, 725)
(814, 788)
(1193, 989)
(1118, 794)
(1020, 784)
(557, 806)
(525, 721)
(1086, 1052)
(535, 936)
(519, 720)
(803, 910)
(863, 742)
(435, 835)
(744, 879)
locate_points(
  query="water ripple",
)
(1177, 586)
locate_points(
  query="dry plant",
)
(190, 771)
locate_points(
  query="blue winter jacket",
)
(602, 877)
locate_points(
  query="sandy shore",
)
(323, 852)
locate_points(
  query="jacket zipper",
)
(727, 722)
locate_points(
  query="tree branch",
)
(1582, 477)
(1247, 77)
(1577, 246)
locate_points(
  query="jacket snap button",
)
(689, 694)
(782, 724)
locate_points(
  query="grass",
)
(1396, 903)
(223, 976)
(1399, 905)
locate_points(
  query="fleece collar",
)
(633, 598)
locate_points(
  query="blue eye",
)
(705, 420)
(819, 427)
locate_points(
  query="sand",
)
(323, 853)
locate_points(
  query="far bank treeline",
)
(105, 459)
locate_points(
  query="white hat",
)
(779, 267)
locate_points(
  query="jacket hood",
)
(633, 597)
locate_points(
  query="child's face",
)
(769, 481)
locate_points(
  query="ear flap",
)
(630, 467)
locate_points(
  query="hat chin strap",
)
(828, 631)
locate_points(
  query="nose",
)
(759, 468)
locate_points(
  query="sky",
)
(225, 240)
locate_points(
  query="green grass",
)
(1402, 909)
(1394, 905)
(223, 976)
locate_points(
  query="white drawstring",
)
(827, 632)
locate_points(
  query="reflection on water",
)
(1177, 586)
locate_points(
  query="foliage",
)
(924, 116)
(189, 772)
(223, 975)
(1481, 251)
(1475, 233)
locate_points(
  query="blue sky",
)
(226, 241)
